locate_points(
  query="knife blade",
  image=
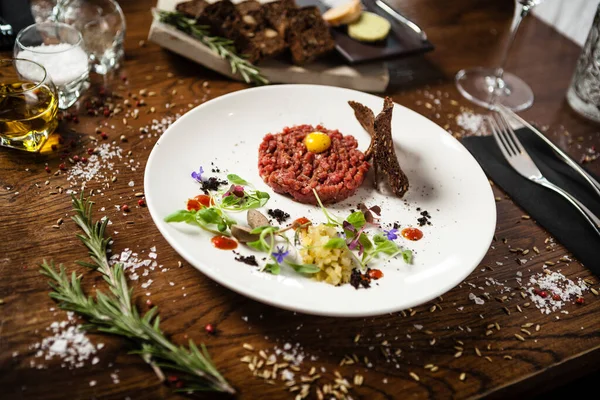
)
(401, 18)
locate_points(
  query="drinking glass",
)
(489, 86)
(102, 25)
(59, 48)
(584, 92)
(28, 105)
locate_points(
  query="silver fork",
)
(519, 159)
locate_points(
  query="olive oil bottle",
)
(27, 114)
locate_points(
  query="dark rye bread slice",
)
(382, 145)
(257, 29)
(223, 19)
(277, 13)
(192, 9)
(308, 35)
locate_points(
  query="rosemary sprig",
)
(222, 46)
(115, 313)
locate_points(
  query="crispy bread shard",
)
(381, 148)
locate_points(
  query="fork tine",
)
(505, 136)
(496, 134)
(512, 134)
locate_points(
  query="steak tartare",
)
(287, 166)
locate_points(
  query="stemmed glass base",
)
(482, 87)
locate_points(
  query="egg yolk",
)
(317, 142)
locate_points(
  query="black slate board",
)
(401, 42)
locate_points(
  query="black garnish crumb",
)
(396, 225)
(424, 220)
(212, 183)
(418, 208)
(358, 279)
(278, 214)
(250, 260)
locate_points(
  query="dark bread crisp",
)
(192, 9)
(365, 116)
(308, 35)
(382, 146)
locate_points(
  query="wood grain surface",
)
(445, 333)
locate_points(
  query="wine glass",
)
(489, 86)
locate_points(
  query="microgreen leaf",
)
(259, 229)
(357, 219)
(181, 216)
(387, 247)
(236, 180)
(304, 268)
(407, 256)
(273, 268)
(259, 245)
(335, 243)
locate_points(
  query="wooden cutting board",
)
(369, 78)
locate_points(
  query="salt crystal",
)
(131, 184)
(64, 63)
(418, 327)
(59, 346)
(92, 383)
(287, 375)
(471, 123)
(476, 299)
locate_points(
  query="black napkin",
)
(549, 209)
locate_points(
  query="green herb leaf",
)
(379, 238)
(236, 180)
(335, 243)
(259, 229)
(258, 245)
(357, 219)
(181, 216)
(365, 241)
(407, 255)
(273, 268)
(304, 268)
(387, 247)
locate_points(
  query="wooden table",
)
(466, 33)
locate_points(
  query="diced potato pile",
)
(335, 264)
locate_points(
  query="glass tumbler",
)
(28, 105)
(59, 48)
(102, 24)
(584, 93)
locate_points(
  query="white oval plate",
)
(444, 180)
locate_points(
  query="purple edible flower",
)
(279, 255)
(198, 175)
(392, 234)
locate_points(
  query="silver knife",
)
(590, 179)
(401, 18)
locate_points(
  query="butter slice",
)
(369, 27)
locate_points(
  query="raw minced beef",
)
(286, 165)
